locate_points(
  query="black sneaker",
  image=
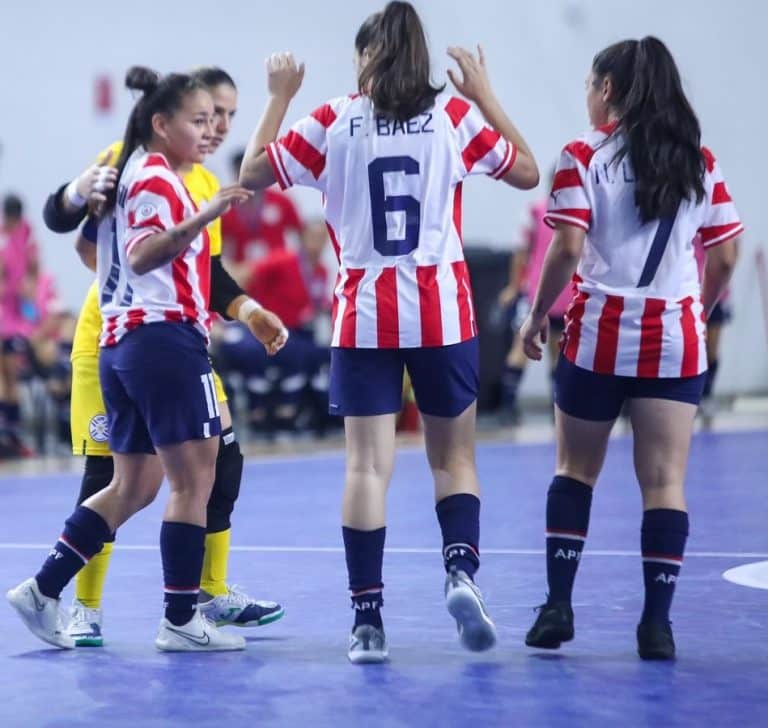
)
(655, 641)
(553, 626)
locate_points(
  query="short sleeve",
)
(298, 157)
(721, 219)
(481, 149)
(568, 200)
(152, 206)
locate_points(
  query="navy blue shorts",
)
(600, 397)
(367, 382)
(158, 388)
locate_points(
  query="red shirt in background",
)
(287, 285)
(251, 230)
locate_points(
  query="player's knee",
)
(226, 483)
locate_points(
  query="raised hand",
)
(474, 82)
(284, 76)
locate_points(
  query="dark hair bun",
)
(141, 78)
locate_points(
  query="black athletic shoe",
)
(553, 626)
(655, 641)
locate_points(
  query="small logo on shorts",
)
(98, 428)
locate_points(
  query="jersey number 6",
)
(381, 204)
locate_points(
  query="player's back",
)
(393, 207)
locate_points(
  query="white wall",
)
(539, 52)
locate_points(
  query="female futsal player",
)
(221, 602)
(627, 200)
(391, 161)
(154, 282)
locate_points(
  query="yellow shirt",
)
(202, 185)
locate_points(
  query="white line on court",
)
(406, 550)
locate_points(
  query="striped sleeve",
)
(481, 149)
(153, 204)
(721, 220)
(568, 200)
(298, 157)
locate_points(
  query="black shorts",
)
(721, 314)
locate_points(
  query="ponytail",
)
(397, 73)
(159, 95)
(661, 131)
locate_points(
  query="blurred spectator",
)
(25, 295)
(287, 392)
(524, 277)
(262, 225)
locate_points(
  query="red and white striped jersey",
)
(392, 197)
(637, 308)
(151, 198)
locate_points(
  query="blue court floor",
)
(295, 673)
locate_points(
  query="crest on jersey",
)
(145, 211)
(98, 428)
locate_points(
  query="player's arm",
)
(66, 208)
(718, 268)
(149, 250)
(85, 245)
(232, 302)
(559, 266)
(476, 86)
(284, 79)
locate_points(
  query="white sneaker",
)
(238, 609)
(367, 645)
(40, 613)
(85, 625)
(197, 635)
(465, 604)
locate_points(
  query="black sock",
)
(85, 532)
(365, 554)
(510, 383)
(663, 538)
(568, 504)
(182, 546)
(709, 383)
(13, 416)
(459, 518)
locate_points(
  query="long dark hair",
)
(159, 95)
(663, 136)
(397, 74)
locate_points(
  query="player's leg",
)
(448, 407)
(366, 388)
(90, 435)
(137, 479)
(511, 379)
(179, 406)
(220, 602)
(662, 416)
(586, 407)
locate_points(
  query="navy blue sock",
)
(85, 532)
(663, 538)
(459, 517)
(568, 505)
(365, 555)
(182, 547)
